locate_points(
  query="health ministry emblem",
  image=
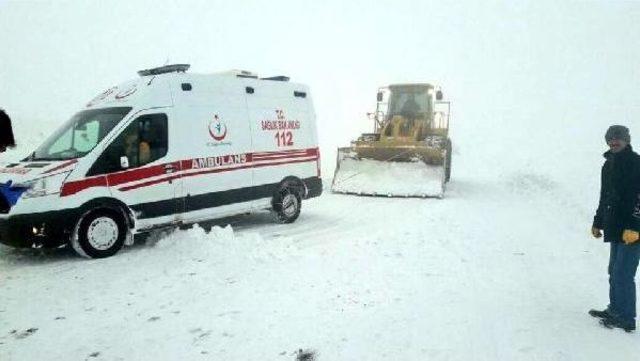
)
(217, 129)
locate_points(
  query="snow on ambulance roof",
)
(153, 88)
(140, 92)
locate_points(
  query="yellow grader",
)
(409, 152)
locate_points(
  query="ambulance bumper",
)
(49, 229)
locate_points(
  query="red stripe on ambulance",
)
(208, 165)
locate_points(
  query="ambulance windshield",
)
(80, 134)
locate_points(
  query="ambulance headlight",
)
(45, 186)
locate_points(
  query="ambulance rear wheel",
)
(101, 234)
(287, 203)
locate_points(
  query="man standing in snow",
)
(618, 215)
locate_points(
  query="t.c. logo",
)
(217, 129)
(102, 96)
(126, 92)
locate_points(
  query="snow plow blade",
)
(407, 175)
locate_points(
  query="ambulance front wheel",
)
(287, 203)
(100, 234)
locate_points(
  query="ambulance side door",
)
(217, 177)
(280, 137)
(141, 170)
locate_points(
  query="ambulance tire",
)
(287, 203)
(100, 234)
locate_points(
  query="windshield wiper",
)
(30, 157)
(35, 159)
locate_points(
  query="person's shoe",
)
(615, 323)
(600, 314)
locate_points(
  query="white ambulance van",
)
(169, 148)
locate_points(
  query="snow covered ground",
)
(503, 268)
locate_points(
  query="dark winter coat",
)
(6, 132)
(619, 206)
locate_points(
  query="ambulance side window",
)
(152, 138)
(145, 140)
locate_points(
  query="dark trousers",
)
(623, 263)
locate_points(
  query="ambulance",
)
(169, 148)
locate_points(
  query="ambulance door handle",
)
(169, 168)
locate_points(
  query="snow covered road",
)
(499, 270)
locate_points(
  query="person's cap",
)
(619, 132)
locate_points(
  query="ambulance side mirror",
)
(439, 95)
(379, 97)
(124, 162)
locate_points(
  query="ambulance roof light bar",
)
(173, 68)
(277, 78)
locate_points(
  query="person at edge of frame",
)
(618, 215)
(6, 132)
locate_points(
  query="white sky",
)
(523, 67)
